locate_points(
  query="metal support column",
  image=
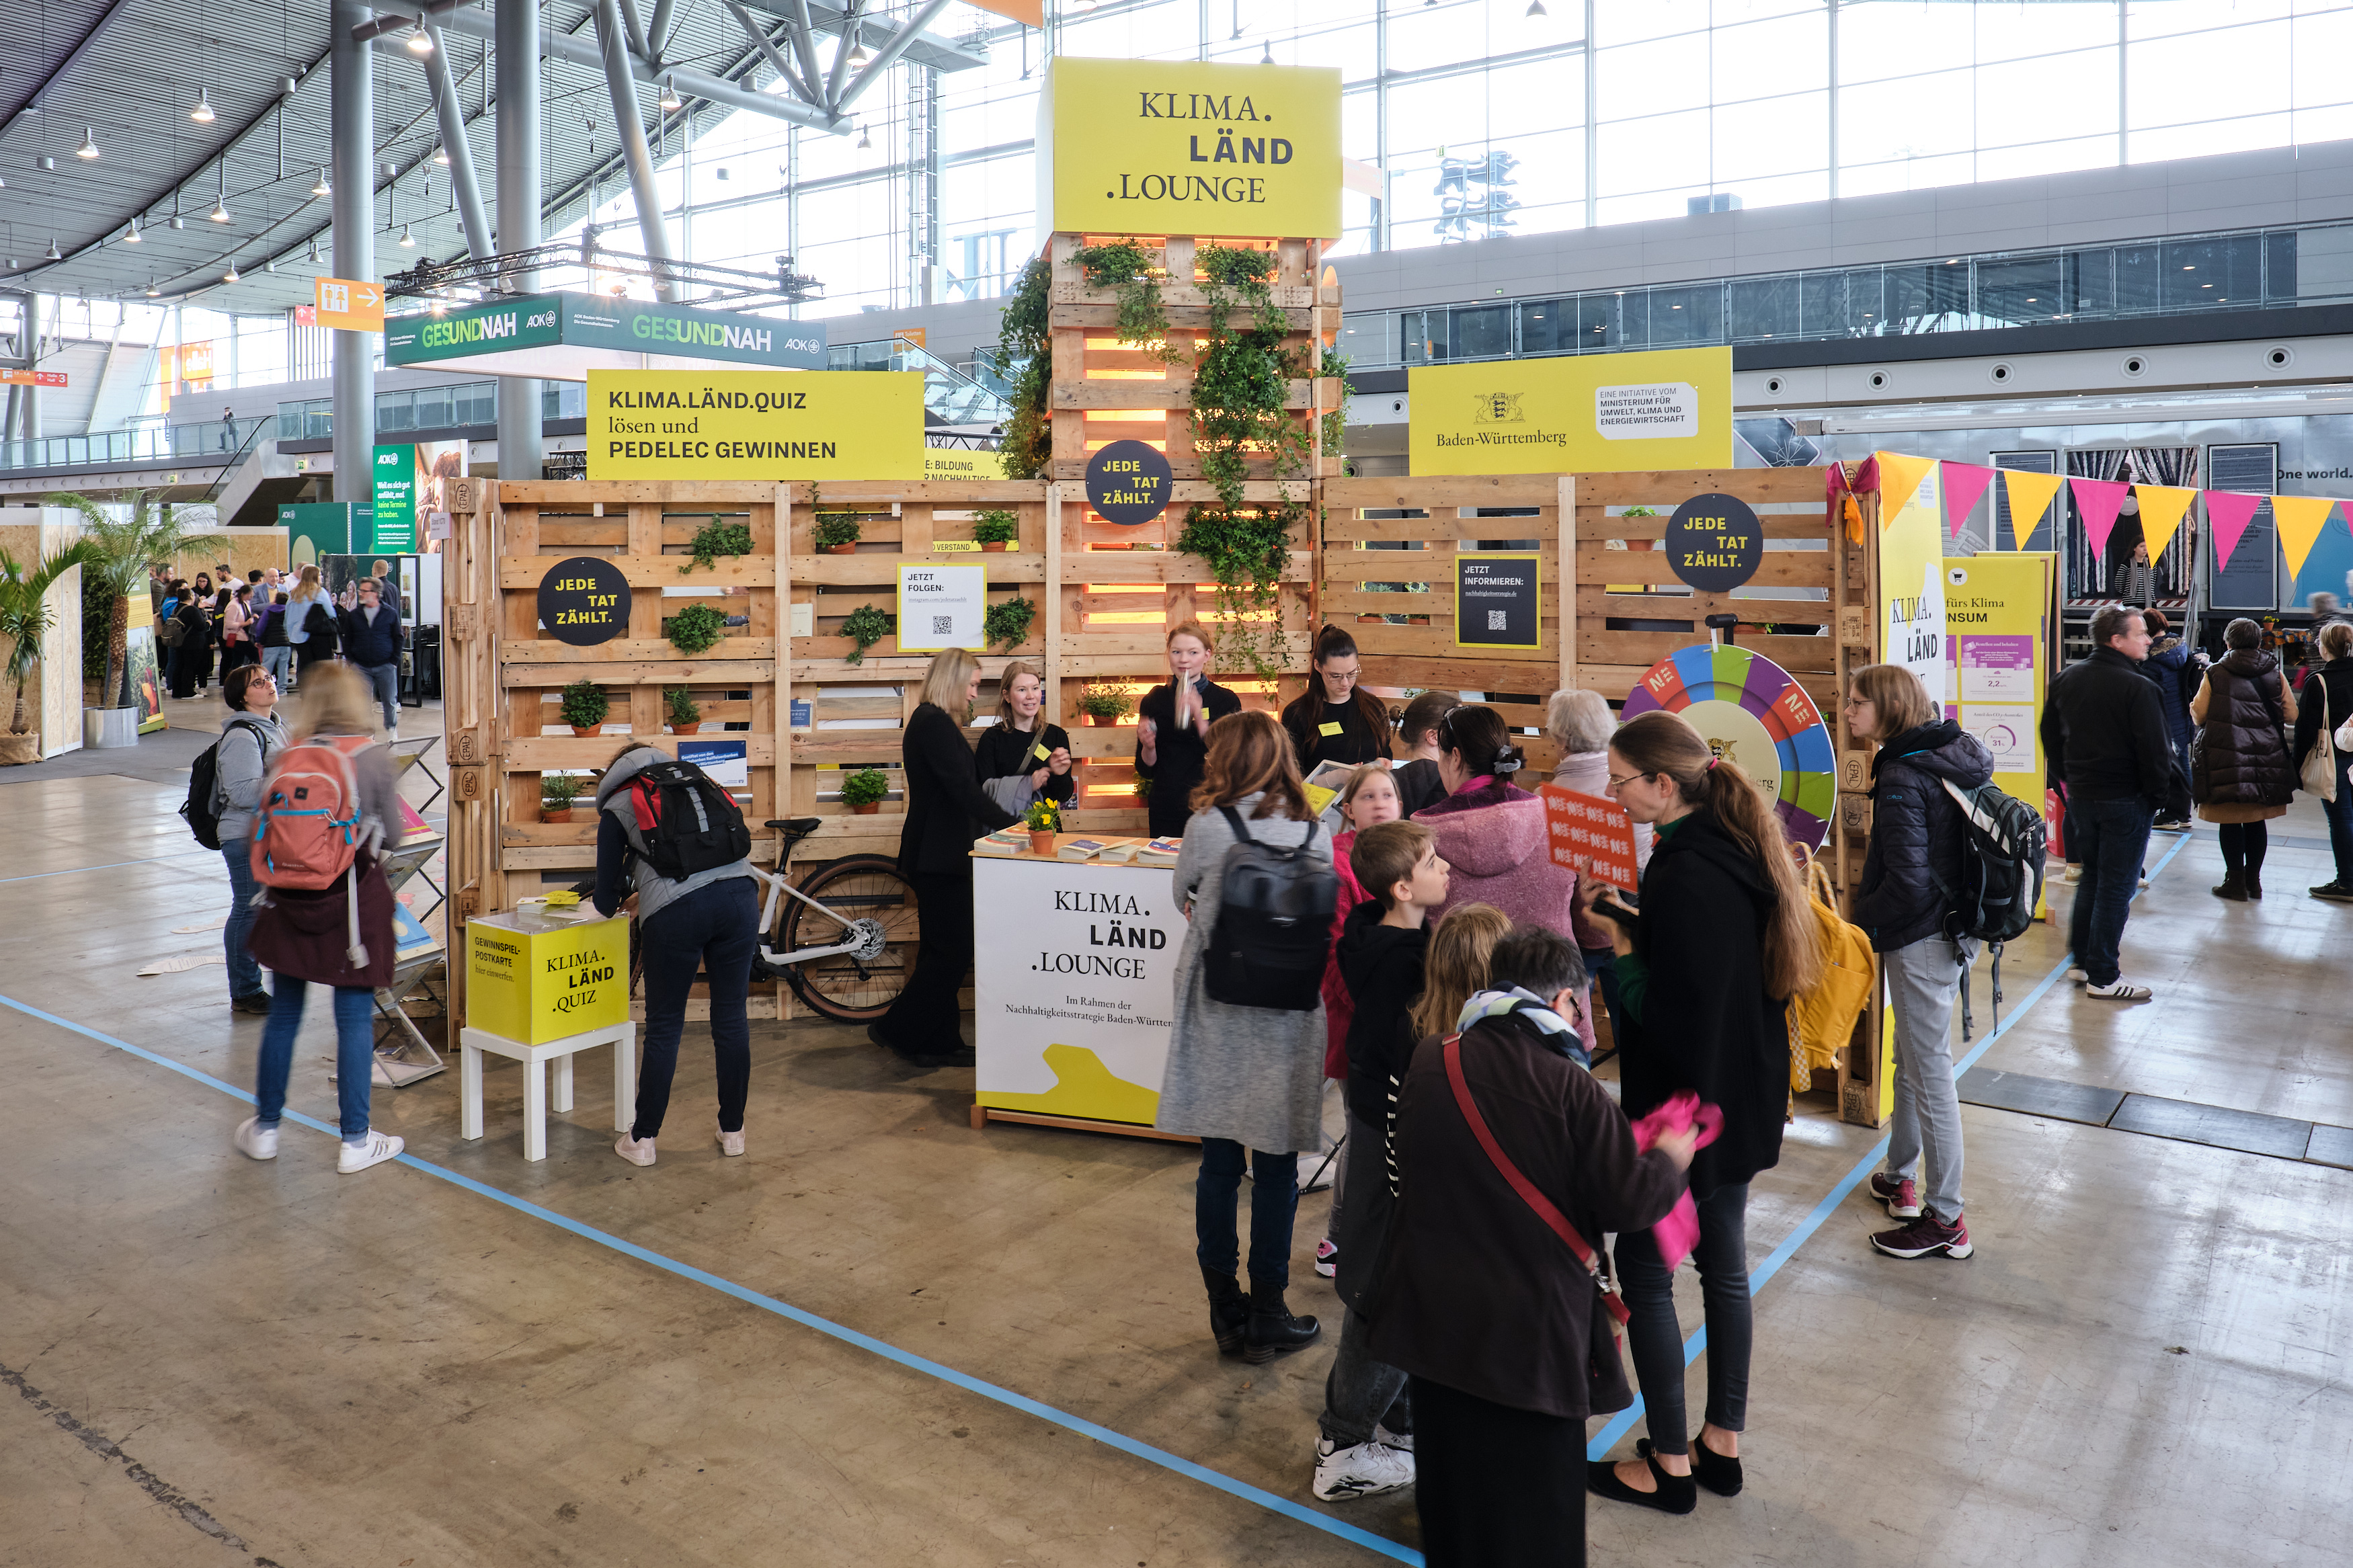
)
(353, 154)
(452, 118)
(521, 449)
(29, 411)
(623, 88)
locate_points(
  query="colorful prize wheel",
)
(1755, 714)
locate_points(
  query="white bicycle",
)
(845, 941)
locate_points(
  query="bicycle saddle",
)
(797, 826)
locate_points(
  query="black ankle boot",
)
(2232, 887)
(1228, 1310)
(1272, 1331)
(2254, 882)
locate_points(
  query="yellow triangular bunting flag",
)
(2161, 508)
(2030, 497)
(1899, 477)
(2300, 520)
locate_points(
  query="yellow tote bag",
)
(1822, 1020)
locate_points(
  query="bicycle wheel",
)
(856, 987)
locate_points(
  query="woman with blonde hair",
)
(1021, 757)
(310, 621)
(1246, 1080)
(1724, 938)
(1172, 726)
(304, 937)
(946, 810)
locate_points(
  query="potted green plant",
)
(695, 629)
(716, 539)
(25, 616)
(127, 545)
(557, 794)
(1143, 788)
(685, 717)
(996, 529)
(585, 706)
(864, 627)
(1102, 705)
(1043, 819)
(1006, 624)
(837, 532)
(863, 791)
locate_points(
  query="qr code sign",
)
(1495, 620)
(943, 626)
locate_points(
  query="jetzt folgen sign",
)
(1583, 414)
(1181, 147)
(755, 425)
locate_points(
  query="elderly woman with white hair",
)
(1582, 724)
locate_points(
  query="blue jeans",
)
(1275, 1200)
(244, 974)
(1656, 1339)
(354, 1052)
(279, 662)
(2340, 820)
(2109, 837)
(716, 929)
(386, 680)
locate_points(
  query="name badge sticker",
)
(1330, 727)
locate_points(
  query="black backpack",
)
(2003, 841)
(202, 808)
(1273, 926)
(687, 823)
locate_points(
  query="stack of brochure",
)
(1159, 852)
(1087, 848)
(1120, 851)
(1004, 841)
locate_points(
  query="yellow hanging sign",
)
(1183, 147)
(755, 425)
(1585, 413)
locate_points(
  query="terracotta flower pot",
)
(548, 814)
(849, 549)
(587, 729)
(686, 729)
(1103, 720)
(866, 808)
(1042, 843)
(996, 544)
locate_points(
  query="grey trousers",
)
(1359, 1391)
(385, 680)
(1924, 1138)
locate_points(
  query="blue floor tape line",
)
(1623, 1422)
(1005, 1397)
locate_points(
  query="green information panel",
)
(394, 500)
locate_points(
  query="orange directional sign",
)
(11, 376)
(350, 305)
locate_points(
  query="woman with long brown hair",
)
(1246, 1080)
(1335, 719)
(1724, 938)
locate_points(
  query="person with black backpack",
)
(227, 778)
(1913, 875)
(666, 828)
(1245, 1072)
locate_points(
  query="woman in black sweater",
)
(1031, 758)
(1172, 730)
(1705, 971)
(945, 802)
(1335, 719)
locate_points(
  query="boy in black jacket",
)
(1381, 951)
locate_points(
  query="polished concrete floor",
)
(467, 1359)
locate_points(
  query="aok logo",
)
(1498, 408)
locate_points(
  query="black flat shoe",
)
(1676, 1494)
(1716, 1472)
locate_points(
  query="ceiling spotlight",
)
(131, 235)
(407, 240)
(858, 55)
(270, 264)
(152, 290)
(53, 253)
(441, 156)
(230, 275)
(46, 163)
(219, 213)
(322, 188)
(89, 148)
(670, 97)
(420, 42)
(286, 85)
(177, 222)
(203, 112)
(314, 250)
(1266, 55)
(864, 141)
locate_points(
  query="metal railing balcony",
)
(204, 441)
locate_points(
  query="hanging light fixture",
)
(670, 97)
(270, 264)
(314, 250)
(441, 156)
(322, 188)
(864, 141)
(220, 194)
(132, 235)
(858, 55)
(89, 148)
(203, 112)
(407, 240)
(152, 290)
(219, 213)
(53, 253)
(230, 275)
(1266, 56)
(420, 42)
(1536, 8)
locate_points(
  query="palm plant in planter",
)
(685, 717)
(125, 547)
(585, 706)
(996, 529)
(557, 794)
(863, 791)
(26, 616)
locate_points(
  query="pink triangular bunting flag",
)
(1964, 483)
(2228, 511)
(2099, 500)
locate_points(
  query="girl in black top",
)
(1022, 745)
(1171, 729)
(1418, 781)
(1335, 719)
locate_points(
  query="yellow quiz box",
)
(533, 979)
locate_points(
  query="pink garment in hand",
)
(1678, 1234)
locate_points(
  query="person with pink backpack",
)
(325, 916)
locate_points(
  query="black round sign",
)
(584, 601)
(1714, 544)
(1127, 481)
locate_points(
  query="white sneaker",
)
(2078, 975)
(2117, 990)
(1367, 1469)
(379, 1147)
(256, 1141)
(1401, 1442)
(636, 1152)
(729, 1143)
(2074, 873)
(1327, 1258)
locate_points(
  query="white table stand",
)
(472, 1043)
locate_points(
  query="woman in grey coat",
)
(253, 734)
(1247, 1082)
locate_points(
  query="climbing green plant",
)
(864, 627)
(716, 539)
(1028, 449)
(1125, 267)
(1006, 623)
(1241, 380)
(1335, 420)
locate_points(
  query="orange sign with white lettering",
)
(349, 305)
